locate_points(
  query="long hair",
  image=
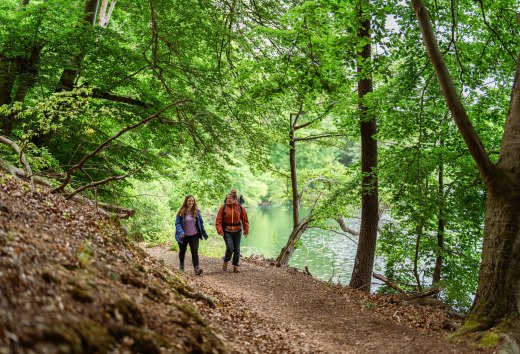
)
(183, 210)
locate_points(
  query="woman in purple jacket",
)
(189, 228)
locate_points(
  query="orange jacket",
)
(236, 219)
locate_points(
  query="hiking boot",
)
(236, 269)
(224, 266)
(198, 271)
(181, 267)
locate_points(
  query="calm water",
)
(328, 255)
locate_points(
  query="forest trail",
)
(265, 309)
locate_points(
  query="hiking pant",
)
(232, 240)
(193, 241)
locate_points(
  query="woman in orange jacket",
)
(231, 222)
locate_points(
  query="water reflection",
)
(328, 255)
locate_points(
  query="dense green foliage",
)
(228, 76)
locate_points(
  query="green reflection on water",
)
(328, 256)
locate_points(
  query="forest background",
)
(138, 103)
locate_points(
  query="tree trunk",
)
(7, 78)
(106, 12)
(69, 75)
(28, 72)
(498, 294)
(294, 178)
(20, 71)
(299, 227)
(440, 229)
(362, 272)
(497, 301)
(416, 256)
(297, 232)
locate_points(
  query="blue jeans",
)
(232, 240)
(193, 241)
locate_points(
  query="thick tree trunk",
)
(362, 272)
(498, 294)
(28, 72)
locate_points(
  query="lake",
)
(328, 255)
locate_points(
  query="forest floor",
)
(267, 309)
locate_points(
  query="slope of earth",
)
(265, 309)
(71, 283)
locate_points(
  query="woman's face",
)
(230, 200)
(190, 202)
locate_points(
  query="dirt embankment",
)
(70, 282)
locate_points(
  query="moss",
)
(64, 337)
(172, 279)
(190, 313)
(84, 254)
(131, 279)
(469, 326)
(156, 295)
(144, 340)
(95, 338)
(83, 336)
(80, 294)
(129, 312)
(490, 339)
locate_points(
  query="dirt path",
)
(265, 309)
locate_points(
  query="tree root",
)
(196, 295)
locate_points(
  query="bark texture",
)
(362, 272)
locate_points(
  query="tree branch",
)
(470, 136)
(96, 93)
(317, 136)
(345, 228)
(101, 147)
(98, 183)
(387, 282)
(21, 156)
